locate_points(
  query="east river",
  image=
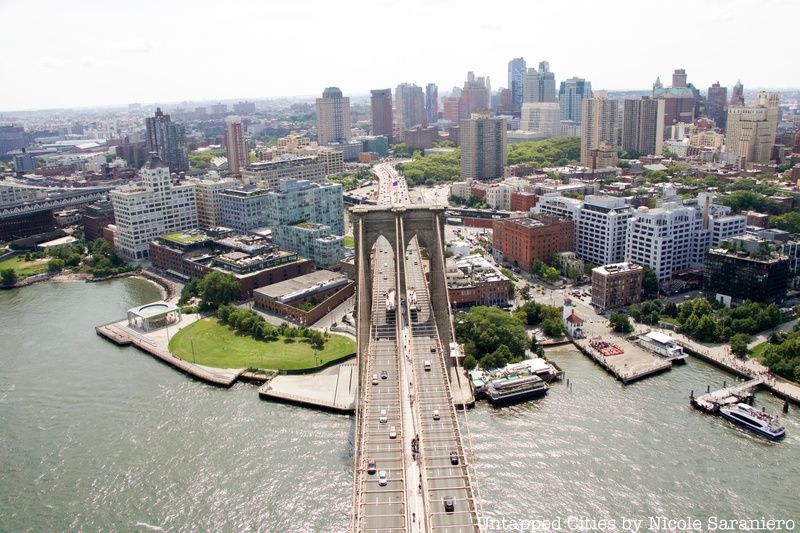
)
(96, 437)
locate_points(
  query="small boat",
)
(756, 421)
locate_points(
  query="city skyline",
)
(154, 49)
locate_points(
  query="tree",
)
(739, 344)
(649, 283)
(216, 289)
(470, 362)
(620, 323)
(550, 275)
(484, 329)
(788, 222)
(8, 277)
(55, 265)
(553, 327)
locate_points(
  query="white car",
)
(374, 379)
(383, 418)
(392, 432)
(383, 479)
(436, 414)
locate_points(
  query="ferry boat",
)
(512, 389)
(756, 421)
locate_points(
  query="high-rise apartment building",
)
(153, 207)
(168, 140)
(750, 130)
(717, 104)
(235, 145)
(540, 86)
(571, 93)
(381, 104)
(598, 124)
(333, 117)
(244, 208)
(483, 147)
(409, 103)
(432, 103)
(308, 218)
(643, 126)
(474, 96)
(522, 241)
(268, 174)
(516, 82)
(543, 118)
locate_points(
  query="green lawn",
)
(24, 268)
(349, 241)
(758, 350)
(219, 346)
(670, 320)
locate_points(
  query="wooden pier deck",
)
(120, 334)
(632, 365)
(710, 402)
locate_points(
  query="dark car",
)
(453, 458)
(372, 466)
(449, 504)
(384, 374)
(433, 349)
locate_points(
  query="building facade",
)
(617, 285)
(744, 277)
(643, 126)
(168, 140)
(235, 145)
(516, 82)
(717, 104)
(483, 148)
(381, 107)
(521, 241)
(598, 123)
(209, 205)
(409, 102)
(333, 117)
(751, 130)
(543, 118)
(571, 95)
(244, 208)
(154, 207)
(268, 174)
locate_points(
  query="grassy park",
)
(219, 346)
(349, 241)
(24, 268)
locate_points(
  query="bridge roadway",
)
(402, 343)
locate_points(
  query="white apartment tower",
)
(543, 118)
(150, 209)
(598, 124)
(209, 204)
(235, 145)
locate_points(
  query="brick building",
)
(305, 299)
(522, 241)
(522, 201)
(617, 285)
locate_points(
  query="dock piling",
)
(785, 406)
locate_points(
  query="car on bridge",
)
(383, 478)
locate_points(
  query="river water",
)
(96, 437)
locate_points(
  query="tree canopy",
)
(217, 288)
(492, 336)
(557, 151)
(432, 169)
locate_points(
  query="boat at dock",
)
(512, 389)
(756, 421)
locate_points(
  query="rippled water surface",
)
(95, 437)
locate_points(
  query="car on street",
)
(436, 414)
(449, 504)
(383, 478)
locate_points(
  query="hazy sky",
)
(85, 53)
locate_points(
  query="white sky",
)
(72, 53)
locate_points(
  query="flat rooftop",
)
(318, 278)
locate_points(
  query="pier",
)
(710, 402)
(332, 389)
(119, 333)
(632, 364)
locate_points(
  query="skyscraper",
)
(474, 96)
(751, 129)
(168, 140)
(643, 126)
(542, 118)
(432, 102)
(516, 80)
(409, 105)
(737, 95)
(235, 145)
(382, 112)
(598, 124)
(540, 86)
(483, 147)
(679, 100)
(333, 117)
(717, 104)
(570, 95)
